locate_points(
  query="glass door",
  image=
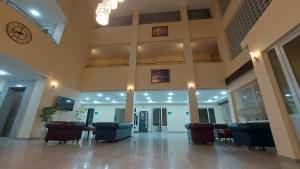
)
(284, 58)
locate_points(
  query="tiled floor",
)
(142, 151)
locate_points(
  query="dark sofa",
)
(112, 132)
(222, 131)
(200, 133)
(252, 134)
(64, 131)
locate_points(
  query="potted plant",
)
(80, 113)
(47, 114)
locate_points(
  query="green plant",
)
(47, 113)
(80, 113)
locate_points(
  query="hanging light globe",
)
(121, 1)
(102, 14)
(114, 4)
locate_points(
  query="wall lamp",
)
(130, 88)
(255, 55)
(54, 84)
(191, 85)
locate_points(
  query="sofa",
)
(252, 134)
(200, 133)
(112, 132)
(64, 131)
(222, 131)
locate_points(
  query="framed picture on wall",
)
(159, 31)
(160, 76)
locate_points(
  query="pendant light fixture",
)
(103, 10)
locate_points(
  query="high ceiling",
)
(153, 97)
(152, 6)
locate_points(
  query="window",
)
(242, 22)
(159, 17)
(198, 14)
(249, 103)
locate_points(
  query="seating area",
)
(64, 131)
(112, 132)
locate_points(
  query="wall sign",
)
(160, 31)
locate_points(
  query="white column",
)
(133, 54)
(189, 67)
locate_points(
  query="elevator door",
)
(9, 110)
(159, 121)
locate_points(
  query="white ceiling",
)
(152, 6)
(156, 97)
(50, 11)
(16, 71)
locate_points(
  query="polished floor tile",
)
(142, 151)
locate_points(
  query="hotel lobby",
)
(109, 84)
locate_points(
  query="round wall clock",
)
(18, 32)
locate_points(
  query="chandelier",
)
(103, 10)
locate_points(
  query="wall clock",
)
(18, 32)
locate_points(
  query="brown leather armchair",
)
(200, 133)
(64, 131)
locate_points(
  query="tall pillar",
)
(189, 67)
(133, 54)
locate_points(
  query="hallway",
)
(142, 151)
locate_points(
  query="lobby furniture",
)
(222, 131)
(112, 132)
(89, 130)
(252, 134)
(64, 131)
(200, 133)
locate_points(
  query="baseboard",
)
(288, 158)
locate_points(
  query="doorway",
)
(284, 60)
(160, 121)
(207, 115)
(10, 109)
(120, 115)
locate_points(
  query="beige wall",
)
(104, 79)
(63, 63)
(115, 78)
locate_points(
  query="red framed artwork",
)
(160, 31)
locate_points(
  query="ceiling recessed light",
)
(288, 95)
(150, 101)
(19, 85)
(87, 98)
(2, 73)
(216, 97)
(35, 13)
(99, 94)
(114, 101)
(210, 100)
(223, 92)
(148, 98)
(122, 94)
(170, 94)
(107, 98)
(169, 101)
(170, 98)
(96, 101)
(197, 93)
(146, 94)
